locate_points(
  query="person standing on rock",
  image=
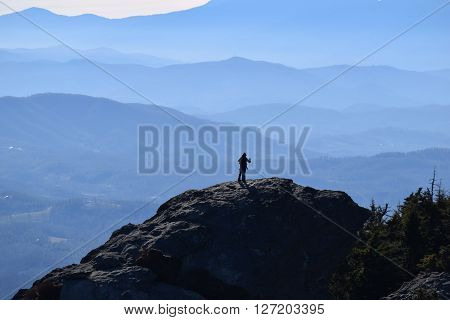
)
(243, 161)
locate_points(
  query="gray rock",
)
(270, 239)
(426, 286)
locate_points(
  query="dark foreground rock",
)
(271, 239)
(426, 286)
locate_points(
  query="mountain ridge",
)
(244, 82)
(63, 54)
(224, 28)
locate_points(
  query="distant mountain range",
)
(212, 87)
(441, 73)
(79, 123)
(91, 142)
(358, 130)
(358, 118)
(299, 33)
(65, 146)
(386, 178)
(64, 54)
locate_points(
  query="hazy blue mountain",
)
(386, 178)
(64, 54)
(74, 122)
(7, 55)
(69, 146)
(288, 31)
(433, 118)
(359, 130)
(377, 140)
(226, 85)
(369, 84)
(441, 73)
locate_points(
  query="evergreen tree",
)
(414, 239)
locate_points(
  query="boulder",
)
(425, 286)
(268, 239)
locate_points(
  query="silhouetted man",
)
(243, 166)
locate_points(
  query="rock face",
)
(269, 239)
(427, 286)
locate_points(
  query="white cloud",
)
(106, 8)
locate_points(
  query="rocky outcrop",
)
(269, 239)
(426, 286)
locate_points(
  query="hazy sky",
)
(104, 8)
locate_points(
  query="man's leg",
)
(240, 174)
(243, 175)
